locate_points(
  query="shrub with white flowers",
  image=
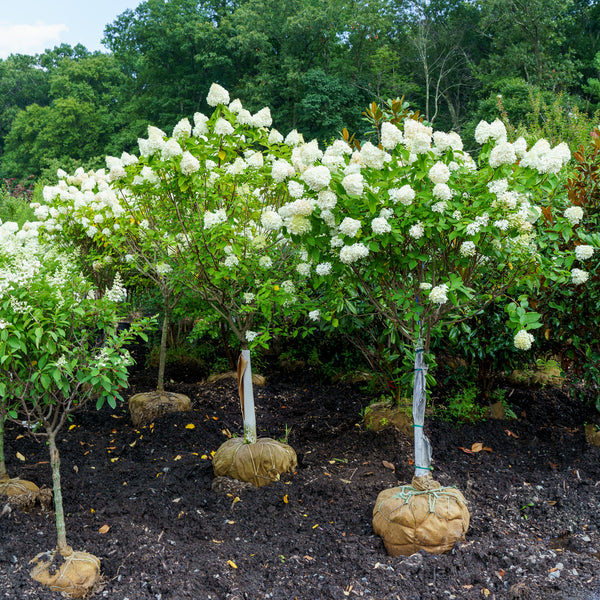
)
(205, 202)
(428, 237)
(59, 342)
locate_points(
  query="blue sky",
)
(31, 26)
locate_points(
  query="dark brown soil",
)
(534, 501)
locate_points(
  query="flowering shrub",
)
(59, 345)
(428, 236)
(201, 209)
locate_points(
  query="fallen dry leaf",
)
(467, 450)
(104, 529)
(389, 465)
(20, 456)
(232, 564)
(477, 447)
(509, 433)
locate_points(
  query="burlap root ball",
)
(260, 463)
(149, 406)
(24, 494)
(410, 520)
(75, 575)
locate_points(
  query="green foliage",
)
(462, 406)
(14, 201)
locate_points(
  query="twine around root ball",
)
(75, 574)
(149, 406)
(259, 463)
(410, 519)
(24, 494)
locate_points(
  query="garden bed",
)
(533, 491)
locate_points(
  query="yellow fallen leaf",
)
(178, 457)
(72, 427)
(104, 529)
(285, 499)
(20, 456)
(232, 564)
(315, 526)
(204, 457)
(133, 443)
(19, 437)
(190, 426)
(477, 447)
(485, 592)
(112, 460)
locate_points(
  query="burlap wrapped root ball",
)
(74, 575)
(149, 406)
(259, 463)
(24, 494)
(410, 520)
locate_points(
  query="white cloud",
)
(29, 39)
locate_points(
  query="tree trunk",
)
(422, 446)
(162, 355)
(248, 411)
(2, 462)
(63, 548)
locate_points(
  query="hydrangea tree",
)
(428, 236)
(207, 197)
(59, 346)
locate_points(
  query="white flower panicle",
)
(117, 293)
(439, 173)
(380, 225)
(391, 135)
(314, 315)
(439, 294)
(200, 124)
(353, 184)
(350, 254)
(405, 195)
(183, 129)
(523, 340)
(281, 170)
(584, 252)
(251, 335)
(317, 177)
(223, 127)
(211, 219)
(189, 163)
(217, 95)
(416, 231)
(271, 220)
(468, 249)
(574, 214)
(502, 154)
(323, 269)
(349, 227)
(578, 276)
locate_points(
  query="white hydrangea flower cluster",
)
(439, 294)
(353, 253)
(523, 340)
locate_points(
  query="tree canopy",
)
(315, 63)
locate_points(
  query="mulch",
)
(533, 493)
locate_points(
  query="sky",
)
(32, 26)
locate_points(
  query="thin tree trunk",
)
(63, 548)
(162, 355)
(248, 410)
(3, 473)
